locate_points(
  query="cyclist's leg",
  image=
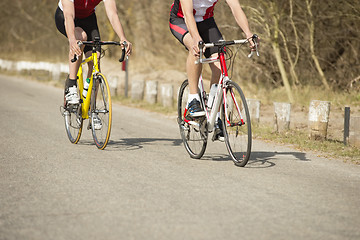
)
(211, 33)
(193, 70)
(71, 91)
(215, 70)
(73, 67)
(180, 31)
(71, 80)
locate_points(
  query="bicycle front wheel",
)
(193, 131)
(101, 112)
(236, 124)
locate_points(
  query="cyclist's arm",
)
(69, 16)
(111, 12)
(240, 17)
(187, 8)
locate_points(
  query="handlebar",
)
(97, 42)
(222, 44)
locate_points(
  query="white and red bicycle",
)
(229, 101)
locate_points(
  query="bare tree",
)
(311, 26)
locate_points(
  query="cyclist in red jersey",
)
(192, 21)
(76, 20)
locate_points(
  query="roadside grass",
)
(157, 107)
(303, 95)
(299, 139)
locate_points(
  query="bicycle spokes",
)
(237, 125)
(101, 115)
(73, 122)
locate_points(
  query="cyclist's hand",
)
(74, 47)
(195, 47)
(252, 43)
(128, 47)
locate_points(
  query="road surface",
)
(145, 186)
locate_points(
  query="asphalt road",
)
(145, 186)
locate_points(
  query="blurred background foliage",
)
(307, 43)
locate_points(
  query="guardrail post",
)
(151, 91)
(137, 89)
(346, 125)
(167, 95)
(282, 116)
(113, 84)
(319, 112)
(125, 67)
(354, 134)
(254, 109)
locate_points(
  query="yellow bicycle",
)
(96, 105)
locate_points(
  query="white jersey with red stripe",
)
(203, 9)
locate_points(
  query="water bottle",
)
(212, 95)
(86, 87)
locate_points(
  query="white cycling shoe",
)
(97, 122)
(72, 97)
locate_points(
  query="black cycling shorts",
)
(88, 24)
(208, 30)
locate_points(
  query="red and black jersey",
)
(202, 9)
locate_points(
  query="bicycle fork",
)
(230, 105)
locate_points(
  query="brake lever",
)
(123, 52)
(201, 52)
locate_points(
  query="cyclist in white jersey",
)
(192, 21)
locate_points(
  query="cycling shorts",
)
(208, 30)
(88, 24)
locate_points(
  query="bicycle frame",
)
(86, 101)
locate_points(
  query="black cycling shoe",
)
(195, 109)
(219, 132)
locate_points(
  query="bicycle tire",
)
(101, 106)
(73, 122)
(194, 137)
(237, 131)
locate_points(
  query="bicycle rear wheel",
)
(237, 125)
(101, 112)
(193, 131)
(73, 122)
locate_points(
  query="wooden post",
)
(319, 112)
(282, 116)
(254, 109)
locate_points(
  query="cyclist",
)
(76, 20)
(192, 21)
